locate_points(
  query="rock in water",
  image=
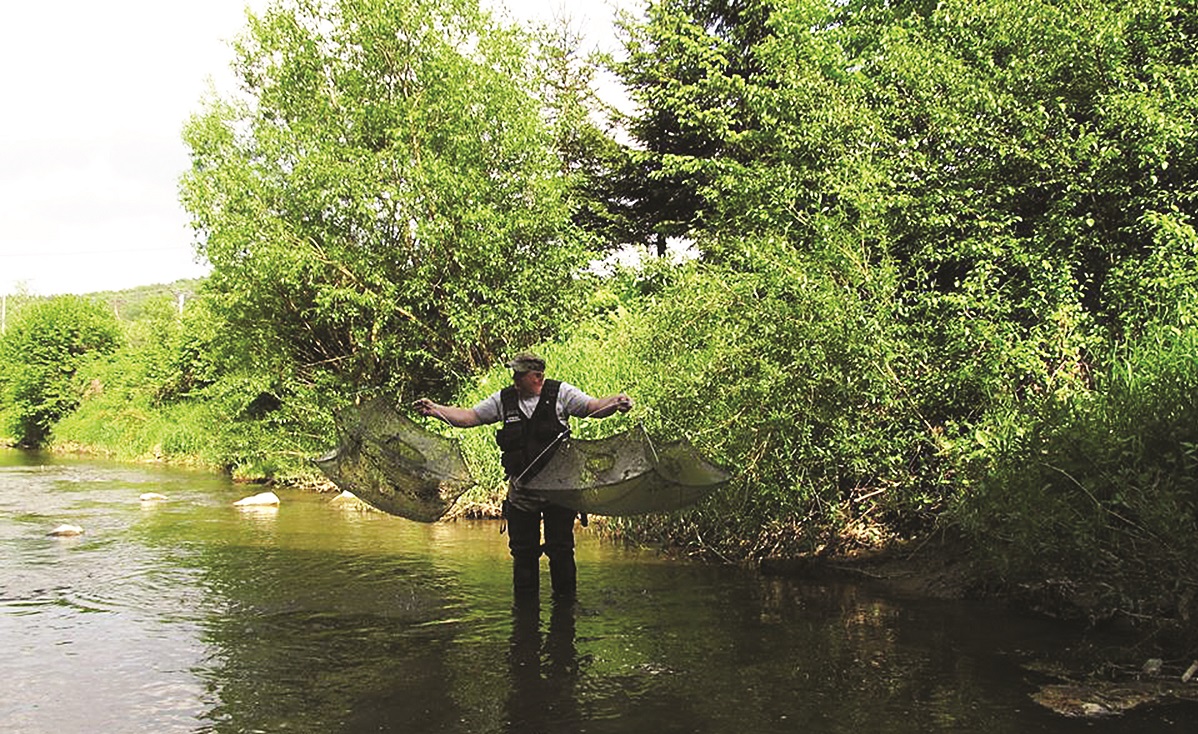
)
(66, 531)
(152, 497)
(259, 500)
(349, 501)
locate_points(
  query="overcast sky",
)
(95, 98)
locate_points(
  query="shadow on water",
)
(191, 615)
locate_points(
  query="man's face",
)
(528, 384)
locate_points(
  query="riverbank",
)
(943, 566)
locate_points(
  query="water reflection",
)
(301, 632)
(544, 670)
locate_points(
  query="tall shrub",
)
(40, 357)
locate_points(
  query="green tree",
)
(653, 189)
(1026, 168)
(40, 355)
(384, 205)
(998, 193)
(591, 160)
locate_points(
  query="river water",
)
(192, 615)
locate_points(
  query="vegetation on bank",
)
(944, 273)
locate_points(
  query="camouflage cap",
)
(526, 362)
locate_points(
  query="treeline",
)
(943, 277)
(135, 376)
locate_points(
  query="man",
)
(535, 414)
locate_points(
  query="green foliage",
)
(1101, 485)
(239, 424)
(782, 366)
(132, 304)
(682, 68)
(41, 356)
(776, 367)
(170, 394)
(1014, 163)
(996, 199)
(194, 355)
(385, 206)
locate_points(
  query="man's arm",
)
(456, 417)
(603, 407)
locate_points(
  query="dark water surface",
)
(192, 615)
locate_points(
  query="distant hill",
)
(129, 304)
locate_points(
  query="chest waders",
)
(527, 444)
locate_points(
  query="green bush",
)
(782, 366)
(41, 357)
(170, 393)
(1100, 486)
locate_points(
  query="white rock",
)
(349, 501)
(258, 500)
(65, 531)
(152, 497)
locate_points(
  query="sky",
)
(96, 95)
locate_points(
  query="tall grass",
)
(1100, 487)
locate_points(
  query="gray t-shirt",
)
(570, 402)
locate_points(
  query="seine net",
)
(390, 462)
(626, 474)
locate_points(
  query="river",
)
(192, 615)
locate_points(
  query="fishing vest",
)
(523, 441)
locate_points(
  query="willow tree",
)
(381, 201)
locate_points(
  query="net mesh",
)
(626, 474)
(390, 462)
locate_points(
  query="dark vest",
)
(523, 441)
